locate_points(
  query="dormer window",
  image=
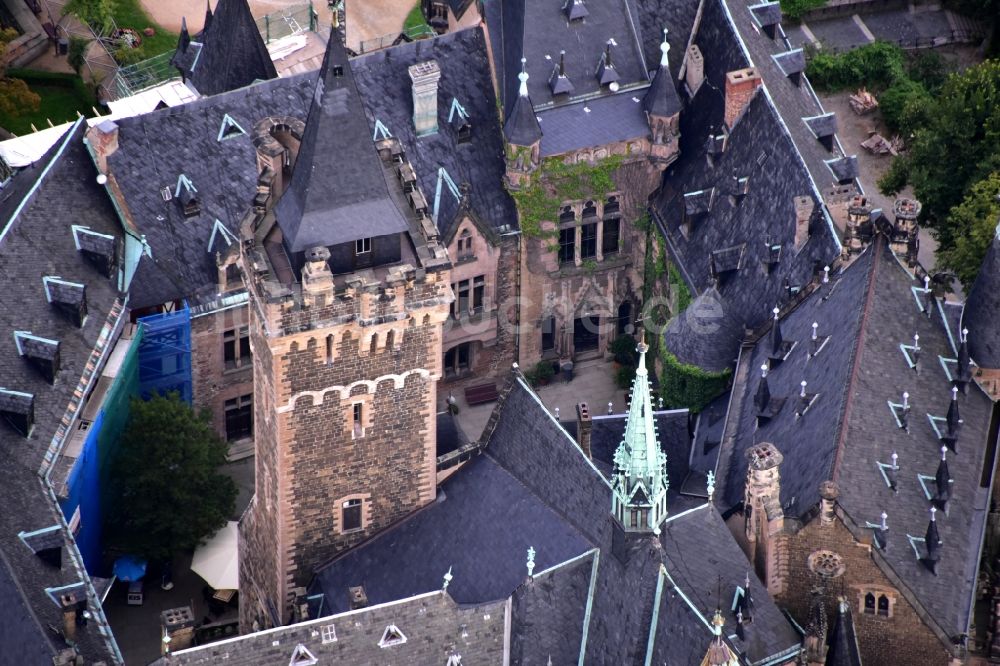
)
(42, 353)
(606, 73)
(70, 298)
(99, 249)
(459, 119)
(363, 246)
(230, 129)
(187, 195)
(575, 10)
(391, 636)
(18, 409)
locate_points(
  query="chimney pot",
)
(694, 72)
(425, 77)
(178, 629)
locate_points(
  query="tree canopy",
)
(972, 223)
(167, 493)
(15, 96)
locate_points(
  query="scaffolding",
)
(289, 21)
(165, 354)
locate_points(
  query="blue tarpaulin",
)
(129, 568)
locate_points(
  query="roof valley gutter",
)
(41, 178)
(637, 42)
(728, 436)
(589, 97)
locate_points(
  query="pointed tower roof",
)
(521, 127)
(325, 203)
(719, 653)
(186, 53)
(208, 16)
(844, 641)
(233, 53)
(639, 500)
(661, 98)
(942, 479)
(979, 315)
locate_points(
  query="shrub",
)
(77, 50)
(877, 65)
(904, 105)
(623, 349)
(894, 180)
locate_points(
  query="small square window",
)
(350, 515)
(363, 246)
(328, 634)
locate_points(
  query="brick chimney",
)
(740, 87)
(425, 77)
(103, 140)
(694, 71)
(583, 427)
(71, 608)
(177, 624)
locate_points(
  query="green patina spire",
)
(639, 500)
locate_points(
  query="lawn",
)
(62, 96)
(415, 26)
(128, 14)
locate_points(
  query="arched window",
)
(870, 603)
(567, 215)
(883, 605)
(590, 209)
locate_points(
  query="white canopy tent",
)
(216, 560)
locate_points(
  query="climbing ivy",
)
(555, 182)
(677, 283)
(684, 385)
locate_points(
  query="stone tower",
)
(349, 288)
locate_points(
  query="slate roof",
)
(869, 312)
(792, 101)
(661, 97)
(843, 649)
(534, 30)
(449, 433)
(230, 53)
(338, 192)
(465, 77)
(435, 628)
(677, 16)
(37, 241)
(154, 149)
(982, 308)
(555, 500)
(596, 122)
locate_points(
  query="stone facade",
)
(479, 334)
(216, 380)
(559, 296)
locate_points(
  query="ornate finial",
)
(776, 311)
(557, 413)
(660, 402)
(916, 342)
(954, 393)
(884, 525)
(965, 335)
(802, 391)
(815, 329)
(895, 460)
(944, 453)
(717, 623)
(447, 579)
(523, 77)
(611, 408)
(933, 513)
(664, 49)
(826, 274)
(763, 370)
(531, 561)
(906, 400)
(711, 484)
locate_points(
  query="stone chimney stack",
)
(425, 77)
(828, 494)
(70, 608)
(103, 139)
(177, 624)
(694, 71)
(764, 516)
(358, 597)
(583, 427)
(740, 87)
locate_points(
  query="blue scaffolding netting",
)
(165, 354)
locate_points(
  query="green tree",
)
(972, 223)
(15, 96)
(168, 493)
(958, 145)
(98, 14)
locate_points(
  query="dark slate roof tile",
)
(791, 100)
(39, 241)
(232, 54)
(593, 123)
(156, 148)
(822, 126)
(844, 168)
(538, 31)
(436, 628)
(338, 192)
(449, 433)
(791, 62)
(761, 150)
(465, 78)
(677, 16)
(982, 308)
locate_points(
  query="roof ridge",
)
(876, 249)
